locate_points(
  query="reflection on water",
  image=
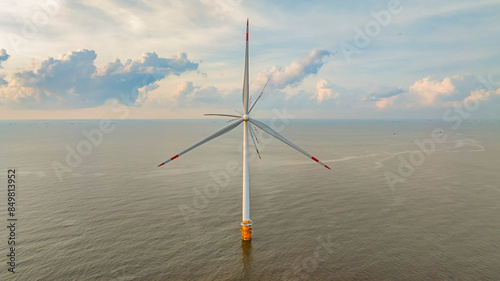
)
(247, 259)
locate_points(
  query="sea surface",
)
(405, 200)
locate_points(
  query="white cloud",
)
(428, 90)
(383, 96)
(183, 90)
(324, 91)
(482, 95)
(429, 93)
(385, 102)
(188, 95)
(292, 74)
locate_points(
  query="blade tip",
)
(161, 164)
(327, 167)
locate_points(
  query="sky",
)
(388, 59)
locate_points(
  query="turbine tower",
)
(246, 222)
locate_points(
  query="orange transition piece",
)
(246, 231)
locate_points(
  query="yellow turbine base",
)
(246, 232)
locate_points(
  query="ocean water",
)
(388, 210)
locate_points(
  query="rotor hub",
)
(245, 117)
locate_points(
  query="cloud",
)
(385, 102)
(482, 95)
(384, 96)
(292, 74)
(284, 81)
(3, 82)
(191, 95)
(188, 95)
(324, 91)
(384, 93)
(72, 80)
(429, 93)
(183, 90)
(3, 56)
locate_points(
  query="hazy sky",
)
(179, 59)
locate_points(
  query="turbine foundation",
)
(246, 230)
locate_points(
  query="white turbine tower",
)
(246, 224)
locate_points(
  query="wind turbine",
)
(246, 224)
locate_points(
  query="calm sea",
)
(91, 204)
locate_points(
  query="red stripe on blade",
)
(314, 159)
(174, 157)
(247, 36)
(327, 167)
(161, 164)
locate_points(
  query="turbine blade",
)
(275, 134)
(225, 115)
(211, 137)
(250, 110)
(252, 128)
(245, 78)
(251, 134)
(256, 131)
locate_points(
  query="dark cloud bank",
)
(73, 81)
